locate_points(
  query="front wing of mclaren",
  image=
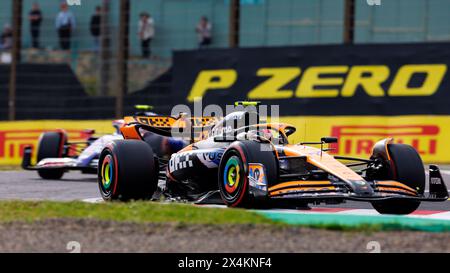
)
(370, 191)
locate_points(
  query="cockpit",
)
(266, 134)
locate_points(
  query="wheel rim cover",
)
(231, 175)
(107, 172)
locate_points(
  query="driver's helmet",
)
(254, 134)
(266, 133)
(145, 114)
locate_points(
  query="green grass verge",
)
(151, 212)
(139, 212)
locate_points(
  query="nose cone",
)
(361, 187)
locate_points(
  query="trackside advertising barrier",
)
(429, 135)
(358, 93)
(14, 136)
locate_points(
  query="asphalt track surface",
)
(27, 185)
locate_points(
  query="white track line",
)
(438, 216)
(368, 212)
(93, 200)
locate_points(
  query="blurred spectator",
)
(146, 33)
(65, 23)
(6, 39)
(35, 18)
(203, 30)
(95, 27)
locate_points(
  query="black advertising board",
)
(377, 79)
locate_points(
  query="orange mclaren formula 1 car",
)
(241, 163)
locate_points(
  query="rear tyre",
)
(51, 145)
(406, 167)
(127, 170)
(234, 174)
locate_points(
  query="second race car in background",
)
(56, 154)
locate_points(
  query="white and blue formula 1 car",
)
(57, 155)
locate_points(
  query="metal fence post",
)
(234, 23)
(17, 30)
(105, 49)
(122, 56)
(349, 21)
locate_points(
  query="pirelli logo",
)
(359, 139)
(13, 142)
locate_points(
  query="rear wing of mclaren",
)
(169, 126)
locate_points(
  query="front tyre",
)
(51, 145)
(127, 170)
(233, 184)
(405, 166)
(234, 171)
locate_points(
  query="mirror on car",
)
(329, 139)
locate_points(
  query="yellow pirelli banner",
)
(429, 135)
(14, 136)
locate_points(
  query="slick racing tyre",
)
(406, 167)
(234, 171)
(51, 145)
(127, 170)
